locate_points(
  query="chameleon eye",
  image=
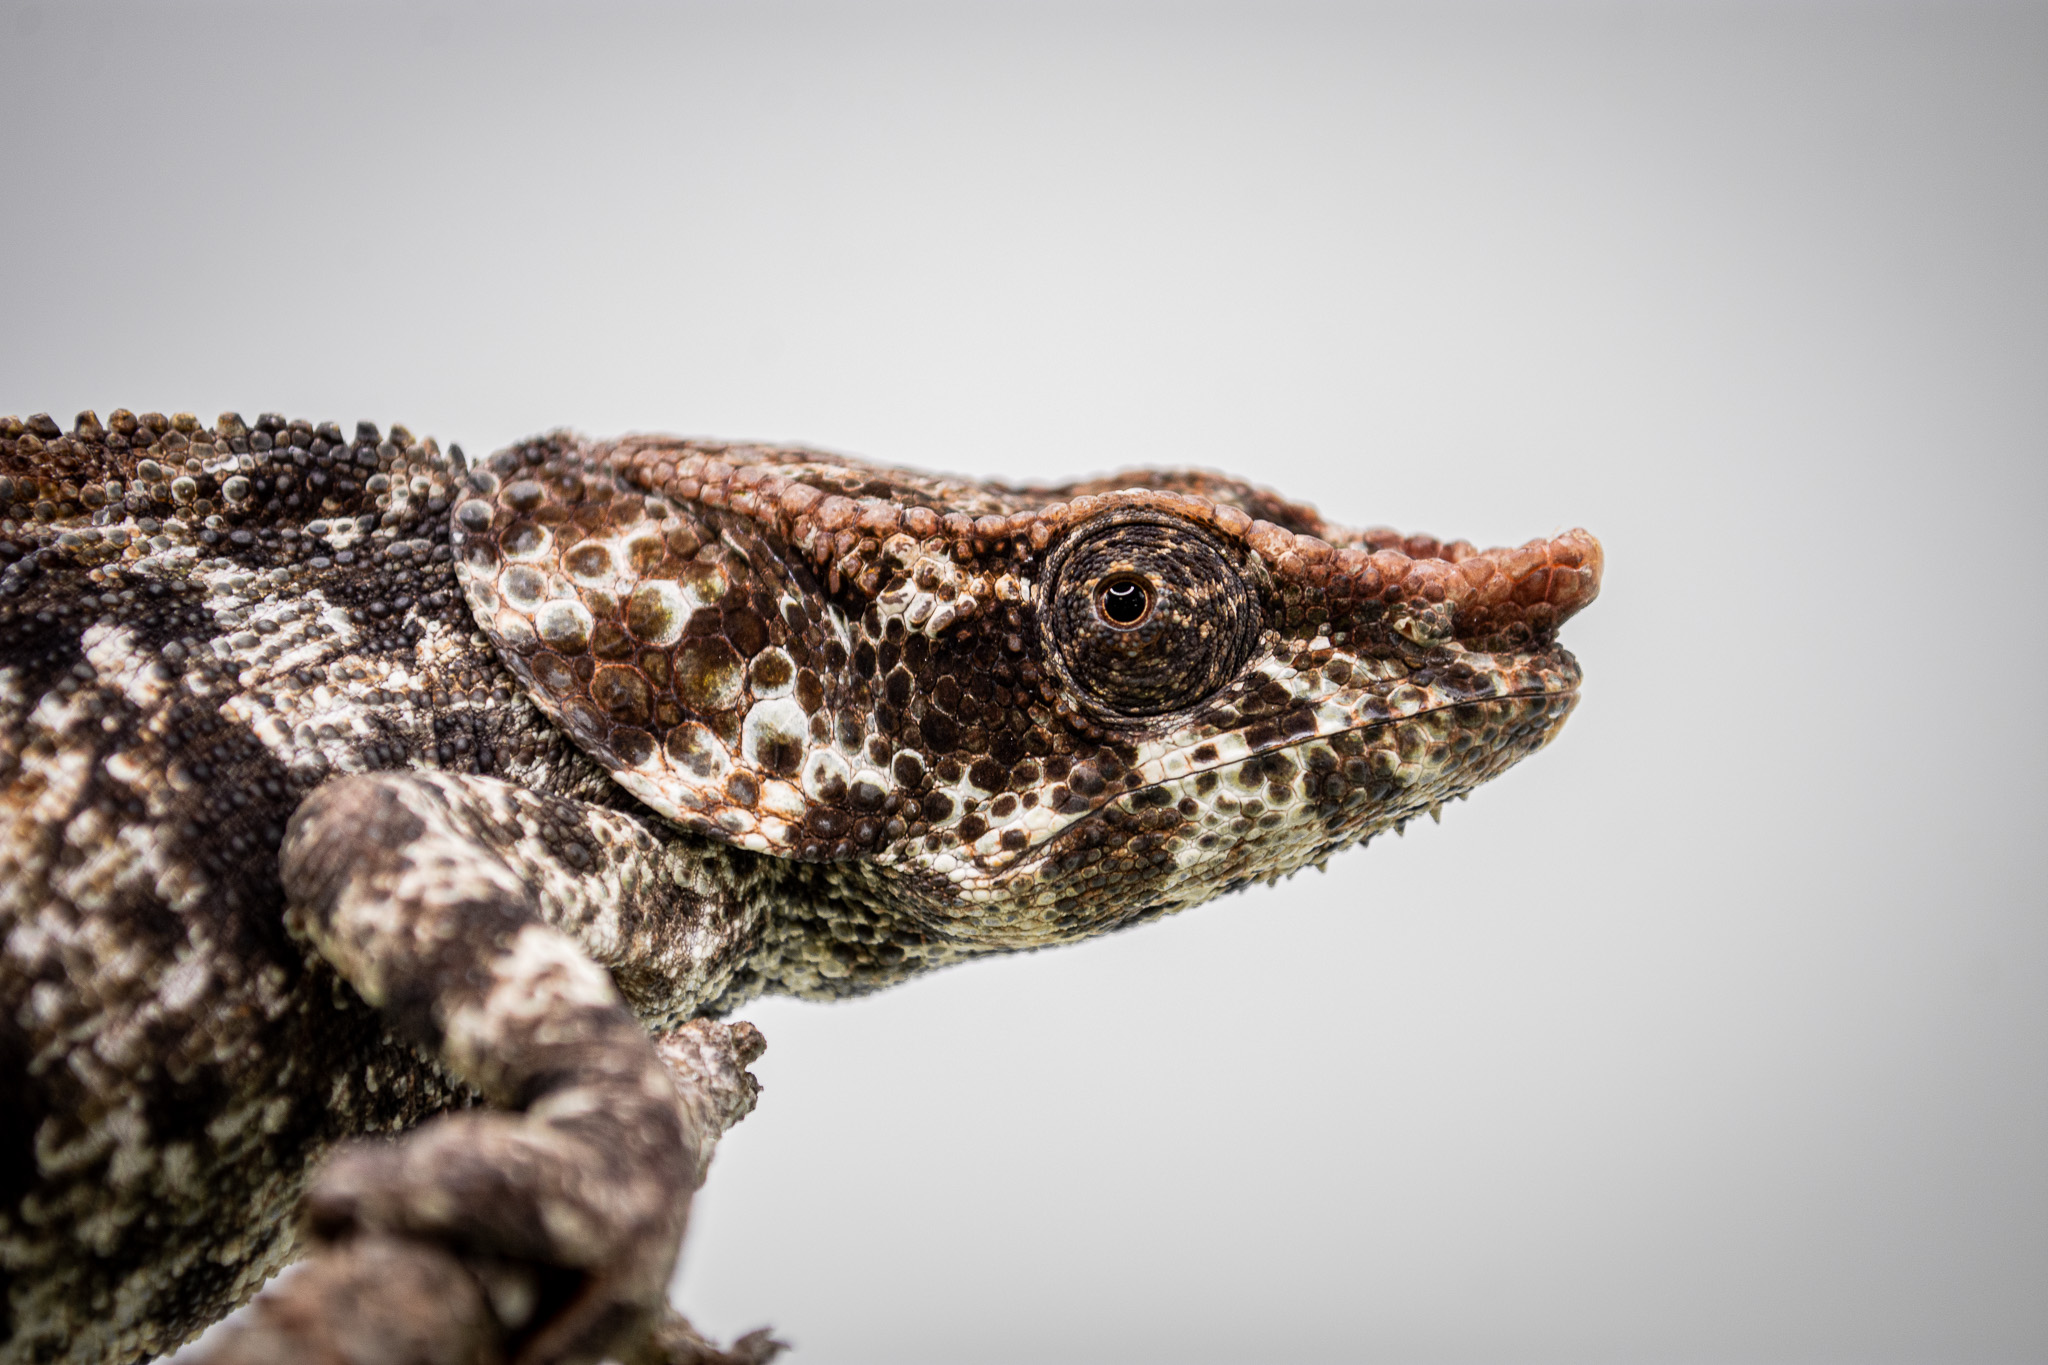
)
(1124, 602)
(1143, 615)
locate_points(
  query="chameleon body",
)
(348, 788)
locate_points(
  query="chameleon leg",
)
(449, 903)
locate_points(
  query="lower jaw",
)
(1247, 835)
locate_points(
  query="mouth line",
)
(1038, 853)
(1023, 860)
(1522, 694)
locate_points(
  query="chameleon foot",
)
(565, 1201)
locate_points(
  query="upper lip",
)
(1296, 741)
(1280, 745)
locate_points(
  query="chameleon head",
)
(1020, 715)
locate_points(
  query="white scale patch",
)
(935, 592)
(136, 675)
(825, 765)
(340, 534)
(771, 662)
(771, 726)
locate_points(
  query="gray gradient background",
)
(1719, 1032)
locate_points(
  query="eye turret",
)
(1144, 614)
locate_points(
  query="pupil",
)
(1124, 603)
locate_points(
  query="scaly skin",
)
(343, 785)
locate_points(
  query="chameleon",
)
(387, 838)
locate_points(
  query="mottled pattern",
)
(923, 686)
(585, 744)
(199, 625)
(455, 905)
